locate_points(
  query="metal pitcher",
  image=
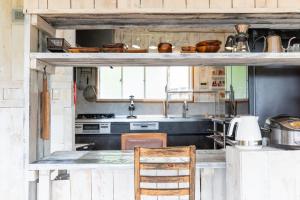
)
(273, 43)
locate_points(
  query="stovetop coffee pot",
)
(238, 42)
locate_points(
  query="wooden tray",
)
(113, 50)
(136, 51)
(84, 50)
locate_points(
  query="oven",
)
(83, 128)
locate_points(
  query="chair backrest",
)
(149, 140)
(164, 160)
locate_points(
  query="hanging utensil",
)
(89, 93)
(45, 96)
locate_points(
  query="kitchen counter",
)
(114, 159)
(149, 118)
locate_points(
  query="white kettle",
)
(247, 135)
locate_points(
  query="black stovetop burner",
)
(96, 116)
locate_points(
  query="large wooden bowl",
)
(209, 43)
(208, 49)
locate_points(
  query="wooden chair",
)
(145, 159)
(150, 140)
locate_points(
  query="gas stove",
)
(96, 116)
(91, 123)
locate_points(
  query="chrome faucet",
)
(185, 104)
(131, 107)
(185, 108)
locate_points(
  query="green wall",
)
(238, 77)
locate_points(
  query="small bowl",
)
(208, 49)
(165, 48)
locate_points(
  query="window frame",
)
(104, 100)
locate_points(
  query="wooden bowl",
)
(209, 43)
(188, 49)
(165, 48)
(208, 49)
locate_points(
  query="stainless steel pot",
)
(284, 130)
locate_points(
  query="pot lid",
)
(286, 122)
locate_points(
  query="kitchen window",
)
(144, 83)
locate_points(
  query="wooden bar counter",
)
(109, 175)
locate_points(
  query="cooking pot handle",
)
(265, 130)
(231, 125)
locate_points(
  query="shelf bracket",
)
(42, 25)
(38, 65)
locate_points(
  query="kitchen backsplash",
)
(205, 78)
(84, 106)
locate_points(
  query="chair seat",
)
(147, 140)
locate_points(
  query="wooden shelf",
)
(165, 59)
(217, 18)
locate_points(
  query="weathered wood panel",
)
(60, 190)
(157, 4)
(44, 186)
(278, 174)
(195, 4)
(12, 155)
(124, 189)
(266, 3)
(17, 52)
(128, 4)
(81, 184)
(43, 4)
(103, 184)
(28, 4)
(220, 4)
(288, 3)
(154, 59)
(105, 4)
(59, 4)
(151, 3)
(243, 3)
(174, 4)
(118, 184)
(83, 4)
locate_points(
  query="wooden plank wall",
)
(11, 102)
(159, 4)
(118, 184)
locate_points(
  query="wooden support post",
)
(44, 188)
(41, 24)
(32, 175)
